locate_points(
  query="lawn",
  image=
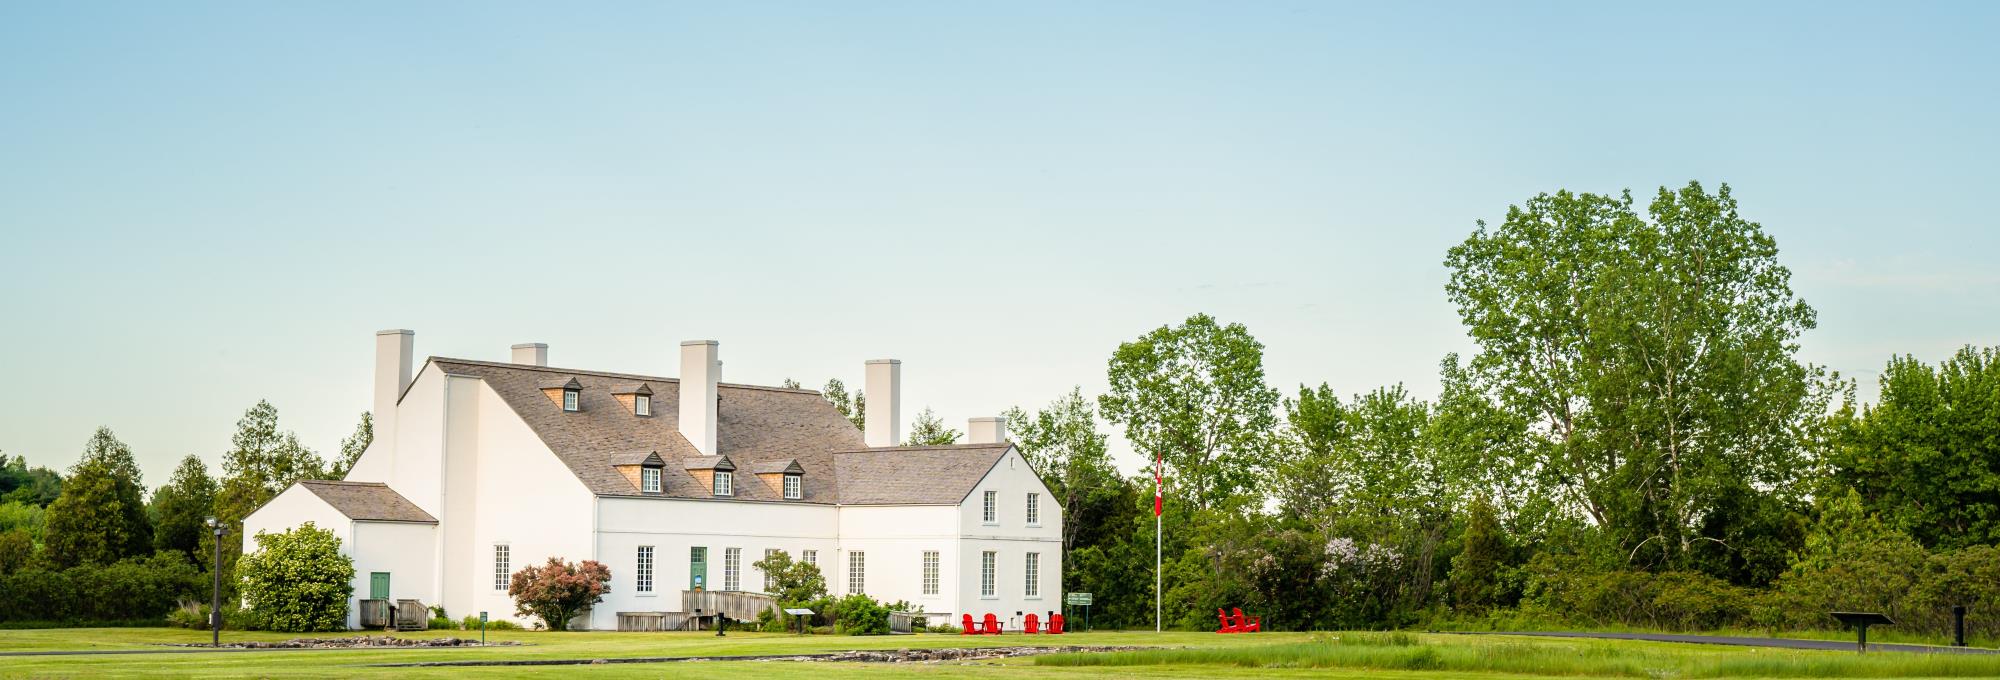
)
(1202, 655)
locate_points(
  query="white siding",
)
(1010, 538)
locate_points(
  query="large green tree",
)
(853, 407)
(1927, 457)
(297, 580)
(353, 446)
(101, 515)
(1654, 355)
(28, 486)
(261, 461)
(183, 507)
(1194, 396)
(1064, 445)
(928, 430)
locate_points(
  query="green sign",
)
(482, 617)
(1077, 598)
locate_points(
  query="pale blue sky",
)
(204, 204)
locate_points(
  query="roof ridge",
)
(610, 374)
(340, 481)
(928, 447)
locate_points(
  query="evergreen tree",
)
(183, 506)
(854, 408)
(1475, 572)
(20, 484)
(87, 523)
(928, 430)
(136, 530)
(261, 462)
(353, 446)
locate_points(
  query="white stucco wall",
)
(894, 539)
(675, 526)
(524, 496)
(402, 549)
(417, 464)
(1010, 538)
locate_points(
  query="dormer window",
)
(645, 469)
(649, 480)
(715, 472)
(637, 398)
(565, 393)
(792, 487)
(783, 477)
(725, 483)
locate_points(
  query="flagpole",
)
(1159, 488)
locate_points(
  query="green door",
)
(698, 568)
(378, 585)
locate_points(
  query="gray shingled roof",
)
(755, 425)
(369, 501)
(776, 467)
(913, 475)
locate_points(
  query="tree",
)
(555, 592)
(1927, 457)
(261, 462)
(104, 447)
(87, 523)
(353, 446)
(1062, 443)
(793, 583)
(20, 484)
(854, 408)
(789, 384)
(183, 507)
(297, 581)
(1194, 395)
(1475, 571)
(22, 516)
(17, 551)
(1655, 357)
(927, 430)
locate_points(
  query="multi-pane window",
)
(502, 564)
(1034, 509)
(930, 572)
(986, 564)
(792, 486)
(732, 568)
(811, 557)
(768, 583)
(724, 484)
(649, 480)
(857, 572)
(992, 513)
(1033, 567)
(644, 571)
(569, 400)
(642, 405)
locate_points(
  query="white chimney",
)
(393, 351)
(883, 387)
(700, 371)
(992, 430)
(531, 354)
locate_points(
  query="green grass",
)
(1189, 655)
(1546, 657)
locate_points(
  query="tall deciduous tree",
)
(1062, 442)
(87, 523)
(353, 446)
(183, 506)
(1927, 457)
(1194, 395)
(854, 407)
(260, 462)
(1655, 357)
(28, 486)
(928, 430)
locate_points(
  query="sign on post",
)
(1077, 599)
(482, 629)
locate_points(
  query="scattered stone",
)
(352, 642)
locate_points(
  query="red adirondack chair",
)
(970, 628)
(992, 625)
(1032, 624)
(1227, 627)
(1056, 624)
(1242, 622)
(1256, 623)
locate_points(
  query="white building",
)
(480, 468)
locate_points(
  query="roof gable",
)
(367, 501)
(914, 475)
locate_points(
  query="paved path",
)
(1782, 643)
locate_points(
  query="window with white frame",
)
(986, 566)
(930, 572)
(724, 484)
(792, 487)
(768, 582)
(502, 565)
(649, 480)
(642, 405)
(811, 557)
(569, 400)
(644, 571)
(732, 568)
(857, 572)
(1034, 509)
(1033, 567)
(992, 513)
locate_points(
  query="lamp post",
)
(215, 601)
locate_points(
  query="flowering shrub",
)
(297, 581)
(555, 592)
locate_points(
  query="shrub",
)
(943, 629)
(442, 623)
(297, 581)
(136, 590)
(860, 614)
(17, 550)
(555, 592)
(500, 624)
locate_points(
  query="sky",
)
(207, 204)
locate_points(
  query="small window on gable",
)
(570, 399)
(792, 487)
(725, 483)
(649, 480)
(642, 404)
(564, 392)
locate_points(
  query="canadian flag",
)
(1159, 483)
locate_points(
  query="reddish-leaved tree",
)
(556, 591)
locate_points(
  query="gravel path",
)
(1781, 643)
